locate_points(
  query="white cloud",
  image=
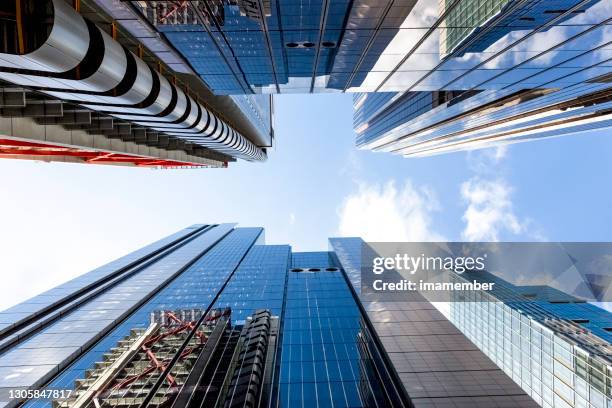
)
(486, 161)
(500, 152)
(385, 213)
(489, 210)
(291, 219)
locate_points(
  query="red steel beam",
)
(10, 148)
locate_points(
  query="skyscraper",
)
(557, 347)
(211, 316)
(84, 89)
(178, 81)
(466, 19)
(488, 73)
(275, 46)
(453, 75)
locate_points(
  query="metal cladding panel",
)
(185, 113)
(163, 98)
(194, 113)
(22, 80)
(159, 102)
(139, 90)
(113, 68)
(199, 127)
(180, 108)
(108, 75)
(64, 49)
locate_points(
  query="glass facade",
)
(465, 22)
(542, 342)
(274, 46)
(486, 73)
(321, 363)
(286, 46)
(370, 126)
(259, 110)
(292, 324)
(93, 326)
(436, 364)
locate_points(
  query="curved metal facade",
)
(82, 64)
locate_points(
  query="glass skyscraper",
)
(465, 20)
(277, 46)
(557, 347)
(485, 73)
(429, 77)
(211, 316)
(76, 86)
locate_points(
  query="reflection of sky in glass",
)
(520, 80)
(542, 49)
(388, 47)
(556, 47)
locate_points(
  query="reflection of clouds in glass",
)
(543, 43)
(427, 56)
(567, 280)
(594, 14)
(583, 270)
(423, 15)
(604, 305)
(528, 48)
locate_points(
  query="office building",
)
(83, 89)
(211, 316)
(429, 77)
(465, 20)
(556, 347)
(275, 46)
(179, 82)
(489, 73)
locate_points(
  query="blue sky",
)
(60, 220)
